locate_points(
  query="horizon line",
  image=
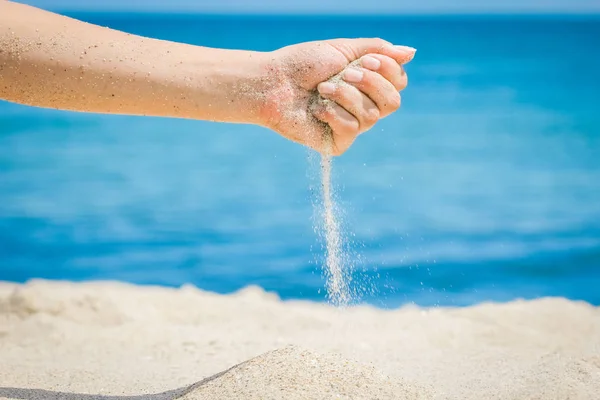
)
(448, 13)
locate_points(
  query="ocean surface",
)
(485, 186)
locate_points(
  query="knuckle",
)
(379, 42)
(371, 115)
(394, 101)
(401, 82)
(353, 127)
(349, 128)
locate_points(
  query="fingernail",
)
(326, 88)
(370, 63)
(406, 49)
(353, 75)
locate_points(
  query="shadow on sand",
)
(42, 394)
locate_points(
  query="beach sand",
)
(113, 341)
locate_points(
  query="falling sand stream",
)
(336, 272)
(337, 282)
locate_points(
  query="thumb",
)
(353, 49)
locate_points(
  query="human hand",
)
(367, 77)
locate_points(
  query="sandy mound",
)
(114, 341)
(292, 373)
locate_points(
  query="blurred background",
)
(485, 186)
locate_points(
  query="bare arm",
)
(49, 60)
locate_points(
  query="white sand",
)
(112, 341)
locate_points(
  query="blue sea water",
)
(485, 186)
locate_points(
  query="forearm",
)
(48, 60)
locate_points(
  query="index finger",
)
(353, 49)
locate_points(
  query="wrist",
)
(258, 81)
(263, 88)
(234, 86)
(274, 91)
